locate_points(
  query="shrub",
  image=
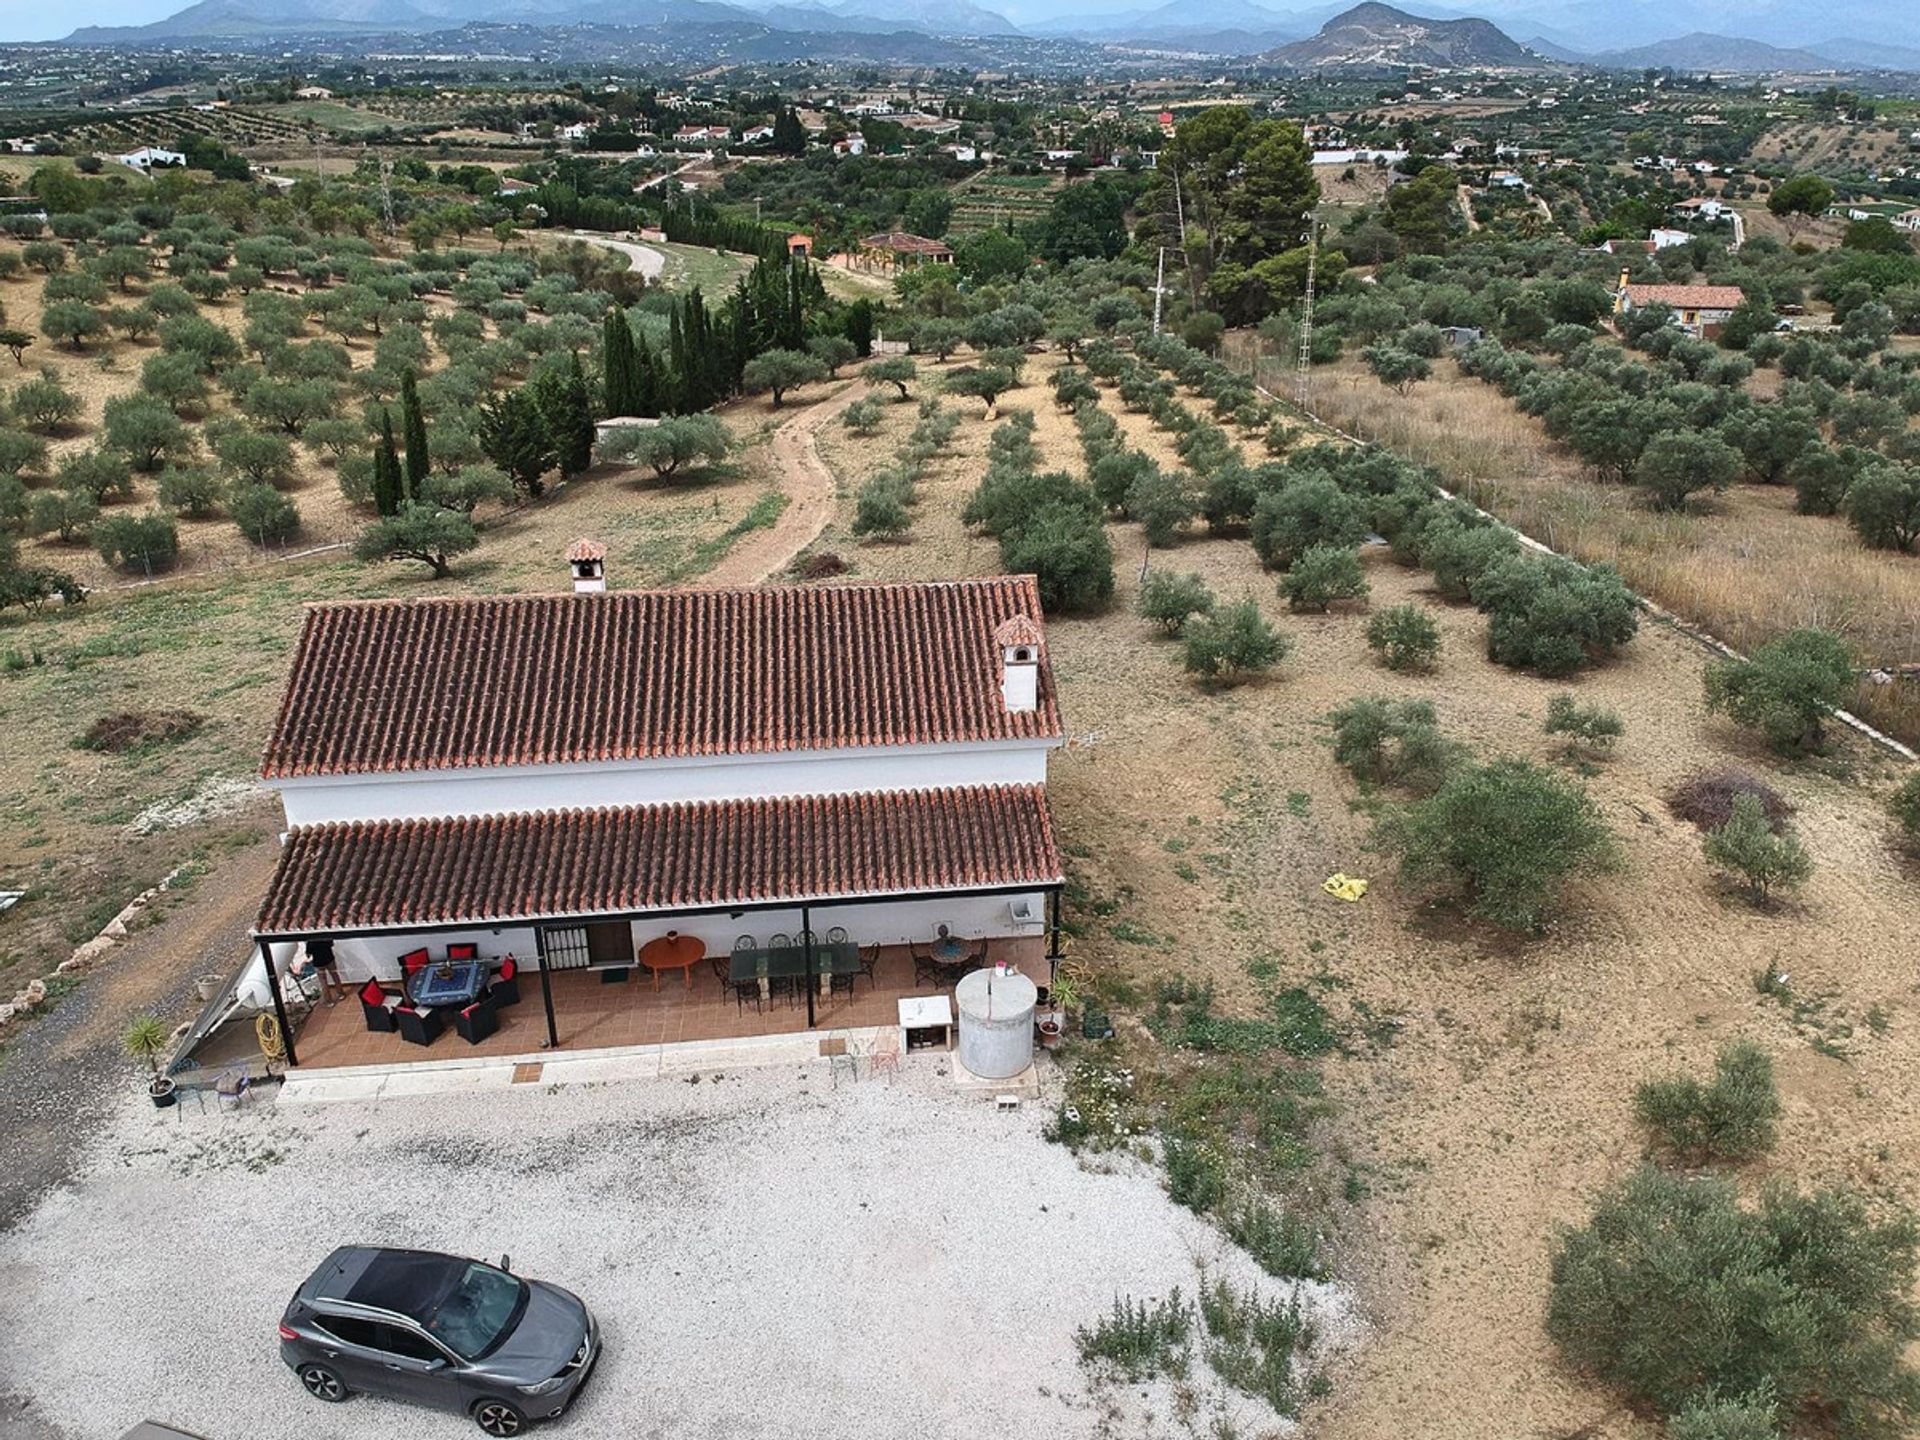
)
(146, 542)
(63, 514)
(1251, 1342)
(863, 416)
(1459, 551)
(100, 475)
(881, 508)
(264, 515)
(1552, 615)
(1904, 806)
(1066, 548)
(1113, 475)
(1675, 1293)
(1196, 1173)
(1393, 742)
(44, 404)
(1170, 601)
(1747, 847)
(1676, 465)
(1008, 498)
(1232, 643)
(1405, 638)
(1162, 501)
(1705, 798)
(1883, 505)
(191, 491)
(1312, 510)
(1785, 689)
(257, 456)
(1323, 574)
(1745, 1417)
(1140, 1339)
(1593, 728)
(677, 443)
(1284, 1245)
(20, 451)
(1730, 1119)
(1506, 834)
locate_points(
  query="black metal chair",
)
(477, 1022)
(926, 969)
(783, 987)
(870, 963)
(505, 989)
(418, 1027)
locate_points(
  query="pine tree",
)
(389, 484)
(413, 429)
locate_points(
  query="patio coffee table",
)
(673, 952)
(453, 983)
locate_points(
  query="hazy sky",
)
(39, 20)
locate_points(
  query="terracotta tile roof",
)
(1688, 297)
(356, 875)
(902, 243)
(553, 679)
(1018, 630)
(581, 550)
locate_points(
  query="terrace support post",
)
(279, 1005)
(546, 985)
(806, 945)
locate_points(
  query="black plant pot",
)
(161, 1091)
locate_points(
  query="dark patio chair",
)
(463, 952)
(505, 989)
(926, 969)
(411, 964)
(378, 1007)
(745, 990)
(870, 963)
(477, 1022)
(418, 1027)
(837, 935)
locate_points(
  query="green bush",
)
(1747, 848)
(1785, 689)
(1506, 834)
(1676, 1294)
(262, 513)
(1009, 496)
(1459, 551)
(1113, 475)
(1405, 638)
(863, 416)
(1232, 644)
(1140, 1339)
(1170, 600)
(881, 508)
(1196, 1173)
(1745, 1417)
(1284, 1244)
(1730, 1119)
(138, 542)
(100, 475)
(191, 491)
(63, 514)
(1904, 806)
(1323, 574)
(1676, 465)
(1593, 728)
(1309, 511)
(1067, 549)
(1162, 501)
(1552, 615)
(1393, 742)
(1251, 1343)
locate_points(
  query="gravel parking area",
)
(765, 1252)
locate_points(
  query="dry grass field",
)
(1743, 564)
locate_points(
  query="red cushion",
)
(509, 968)
(468, 1012)
(372, 993)
(463, 952)
(413, 960)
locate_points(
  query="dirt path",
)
(61, 1069)
(809, 487)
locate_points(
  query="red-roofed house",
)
(824, 780)
(1698, 309)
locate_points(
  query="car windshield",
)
(477, 1311)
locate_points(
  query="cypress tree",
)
(619, 381)
(674, 387)
(568, 412)
(413, 428)
(389, 486)
(646, 382)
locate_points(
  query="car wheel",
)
(322, 1383)
(499, 1417)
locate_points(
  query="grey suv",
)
(455, 1334)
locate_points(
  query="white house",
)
(313, 92)
(564, 778)
(572, 133)
(1700, 310)
(149, 157)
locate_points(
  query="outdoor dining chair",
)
(418, 1027)
(476, 1022)
(926, 969)
(505, 989)
(870, 963)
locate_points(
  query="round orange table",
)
(673, 951)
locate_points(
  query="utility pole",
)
(1159, 288)
(1304, 382)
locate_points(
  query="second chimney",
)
(588, 561)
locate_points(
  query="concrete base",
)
(562, 1067)
(1026, 1084)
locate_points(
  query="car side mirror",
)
(436, 1363)
(506, 1263)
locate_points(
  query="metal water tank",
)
(996, 1022)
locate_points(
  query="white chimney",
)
(1020, 643)
(588, 561)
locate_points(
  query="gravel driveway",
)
(766, 1254)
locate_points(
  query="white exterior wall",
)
(897, 922)
(517, 789)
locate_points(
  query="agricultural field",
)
(991, 199)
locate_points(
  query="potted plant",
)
(146, 1039)
(1053, 1020)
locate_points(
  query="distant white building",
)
(149, 157)
(572, 133)
(313, 92)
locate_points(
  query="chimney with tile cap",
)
(588, 561)
(1020, 643)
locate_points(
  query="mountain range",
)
(1749, 36)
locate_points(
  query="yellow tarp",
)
(1345, 887)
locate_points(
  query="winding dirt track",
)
(810, 490)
